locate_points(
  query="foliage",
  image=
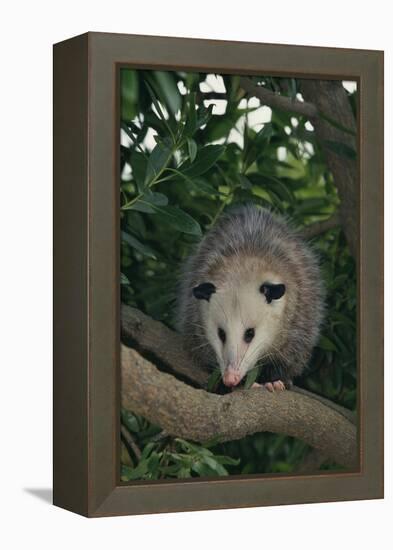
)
(191, 146)
(175, 458)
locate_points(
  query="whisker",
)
(197, 325)
(200, 346)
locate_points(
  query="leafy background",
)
(191, 145)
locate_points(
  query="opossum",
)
(250, 295)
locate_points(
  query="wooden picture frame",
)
(86, 274)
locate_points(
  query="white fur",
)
(236, 309)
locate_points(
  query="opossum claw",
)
(277, 385)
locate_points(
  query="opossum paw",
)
(277, 385)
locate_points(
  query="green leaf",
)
(180, 220)
(190, 125)
(148, 202)
(221, 471)
(212, 442)
(197, 184)
(204, 114)
(137, 245)
(168, 91)
(131, 128)
(258, 193)
(159, 110)
(276, 185)
(170, 471)
(126, 472)
(140, 206)
(265, 133)
(202, 469)
(136, 224)
(135, 133)
(192, 149)
(130, 421)
(213, 380)
(202, 186)
(245, 183)
(184, 472)
(227, 460)
(158, 160)
(154, 464)
(130, 474)
(147, 450)
(193, 448)
(205, 159)
(153, 96)
(251, 377)
(326, 344)
(311, 206)
(255, 147)
(128, 93)
(124, 279)
(155, 199)
(138, 163)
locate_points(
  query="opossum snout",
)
(231, 377)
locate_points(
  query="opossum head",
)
(242, 324)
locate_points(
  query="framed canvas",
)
(218, 274)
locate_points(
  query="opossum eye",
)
(204, 291)
(249, 335)
(272, 292)
(221, 334)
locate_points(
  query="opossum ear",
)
(204, 291)
(272, 292)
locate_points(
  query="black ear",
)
(204, 291)
(272, 292)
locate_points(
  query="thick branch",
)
(331, 100)
(277, 101)
(349, 415)
(201, 416)
(159, 342)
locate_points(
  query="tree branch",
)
(164, 347)
(160, 343)
(200, 416)
(195, 414)
(317, 228)
(277, 101)
(330, 98)
(130, 442)
(326, 104)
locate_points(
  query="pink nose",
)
(231, 378)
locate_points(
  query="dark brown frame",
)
(86, 273)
